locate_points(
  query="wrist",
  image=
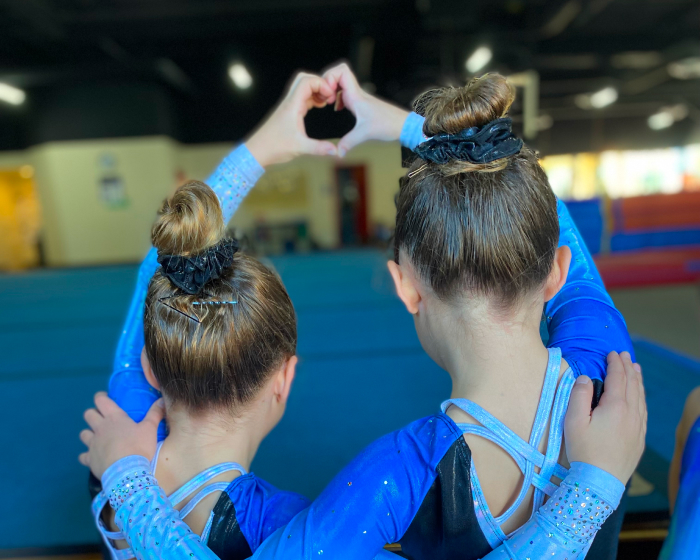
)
(259, 147)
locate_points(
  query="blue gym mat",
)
(362, 374)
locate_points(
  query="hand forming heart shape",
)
(282, 136)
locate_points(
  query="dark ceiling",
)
(105, 68)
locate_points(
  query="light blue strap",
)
(201, 479)
(525, 454)
(511, 443)
(203, 493)
(551, 466)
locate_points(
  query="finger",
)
(93, 418)
(84, 459)
(579, 412)
(318, 147)
(156, 413)
(616, 379)
(341, 76)
(350, 140)
(86, 436)
(632, 392)
(105, 405)
(642, 394)
(310, 86)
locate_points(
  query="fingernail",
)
(637, 368)
(582, 380)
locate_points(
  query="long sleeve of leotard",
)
(581, 319)
(562, 529)
(683, 539)
(128, 387)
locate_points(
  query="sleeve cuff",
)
(601, 482)
(412, 131)
(245, 163)
(123, 467)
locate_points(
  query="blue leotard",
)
(683, 539)
(384, 487)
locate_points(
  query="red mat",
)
(644, 268)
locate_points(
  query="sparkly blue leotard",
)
(249, 508)
(376, 498)
(683, 539)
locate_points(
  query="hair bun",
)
(189, 222)
(450, 110)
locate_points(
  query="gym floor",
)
(360, 365)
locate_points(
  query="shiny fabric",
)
(190, 274)
(485, 144)
(683, 540)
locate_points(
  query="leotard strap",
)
(525, 454)
(198, 482)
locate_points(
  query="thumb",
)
(579, 411)
(156, 413)
(319, 147)
(350, 140)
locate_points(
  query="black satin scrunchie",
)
(190, 274)
(492, 141)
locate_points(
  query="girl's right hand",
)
(610, 437)
(282, 136)
(376, 119)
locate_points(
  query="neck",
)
(494, 358)
(198, 442)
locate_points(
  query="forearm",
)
(565, 526)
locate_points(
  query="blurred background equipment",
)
(106, 106)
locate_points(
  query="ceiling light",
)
(11, 95)
(604, 97)
(240, 76)
(686, 69)
(479, 58)
(667, 116)
(660, 120)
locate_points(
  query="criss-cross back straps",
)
(203, 493)
(176, 497)
(525, 454)
(201, 479)
(529, 455)
(551, 466)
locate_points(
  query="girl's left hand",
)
(282, 136)
(113, 435)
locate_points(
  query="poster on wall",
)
(111, 187)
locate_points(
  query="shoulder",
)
(419, 445)
(261, 508)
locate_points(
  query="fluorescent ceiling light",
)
(11, 95)
(686, 69)
(603, 98)
(660, 120)
(667, 116)
(479, 58)
(240, 76)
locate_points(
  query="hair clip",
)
(162, 300)
(417, 171)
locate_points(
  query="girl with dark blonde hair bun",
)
(482, 248)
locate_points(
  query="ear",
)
(405, 287)
(559, 272)
(283, 382)
(148, 370)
